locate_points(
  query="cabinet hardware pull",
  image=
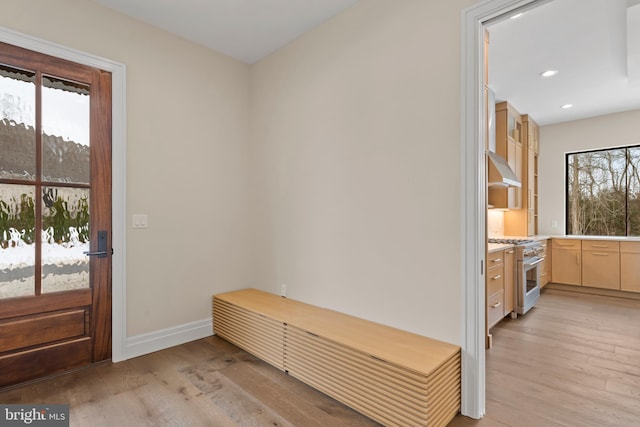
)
(600, 246)
(497, 277)
(497, 260)
(496, 305)
(510, 252)
(599, 254)
(543, 274)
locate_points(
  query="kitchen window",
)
(603, 192)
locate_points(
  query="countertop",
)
(615, 238)
(495, 247)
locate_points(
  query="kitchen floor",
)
(573, 360)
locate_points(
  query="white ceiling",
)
(247, 30)
(586, 41)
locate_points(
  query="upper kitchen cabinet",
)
(524, 221)
(509, 133)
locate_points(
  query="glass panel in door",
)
(65, 131)
(65, 238)
(17, 124)
(65, 159)
(44, 211)
(17, 235)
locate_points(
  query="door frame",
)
(118, 129)
(474, 193)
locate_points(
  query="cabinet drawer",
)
(495, 280)
(600, 246)
(566, 244)
(630, 247)
(543, 248)
(495, 259)
(494, 308)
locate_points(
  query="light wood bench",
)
(392, 376)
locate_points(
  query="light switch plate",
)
(140, 221)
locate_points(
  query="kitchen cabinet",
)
(486, 88)
(532, 133)
(545, 265)
(524, 220)
(601, 264)
(509, 281)
(508, 146)
(630, 266)
(500, 287)
(566, 265)
(495, 288)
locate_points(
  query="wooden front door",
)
(55, 207)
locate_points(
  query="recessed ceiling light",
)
(549, 73)
(517, 15)
(566, 106)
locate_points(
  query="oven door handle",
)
(531, 264)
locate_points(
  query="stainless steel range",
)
(528, 261)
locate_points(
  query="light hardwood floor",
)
(208, 382)
(574, 360)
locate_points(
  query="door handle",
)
(102, 251)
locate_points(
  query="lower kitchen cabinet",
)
(545, 265)
(566, 264)
(630, 266)
(604, 264)
(495, 288)
(601, 264)
(509, 281)
(500, 287)
(495, 311)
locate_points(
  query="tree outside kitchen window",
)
(603, 192)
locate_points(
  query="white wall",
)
(355, 130)
(611, 130)
(353, 196)
(187, 157)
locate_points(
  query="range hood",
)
(500, 173)
(504, 177)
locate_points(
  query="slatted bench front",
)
(392, 376)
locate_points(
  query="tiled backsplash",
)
(495, 222)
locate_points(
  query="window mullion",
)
(38, 187)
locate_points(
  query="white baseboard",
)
(169, 337)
